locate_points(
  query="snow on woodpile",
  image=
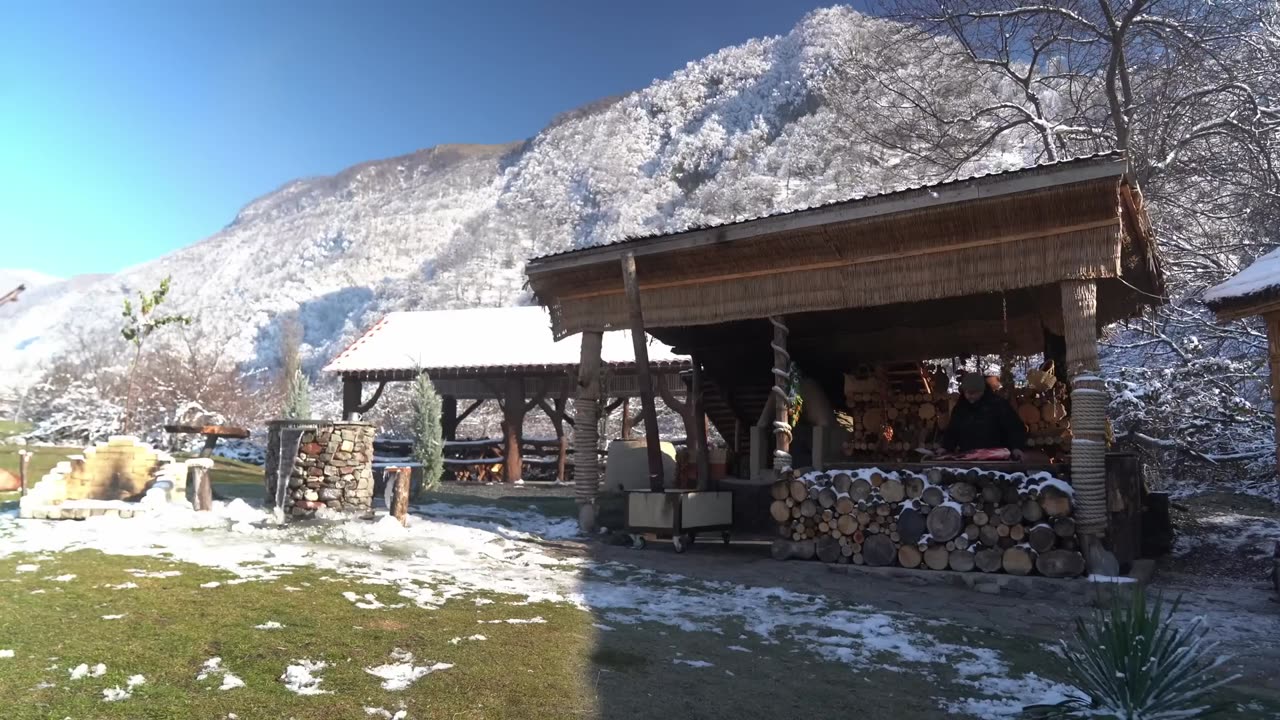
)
(963, 519)
(1260, 277)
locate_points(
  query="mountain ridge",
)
(764, 126)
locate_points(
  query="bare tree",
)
(1190, 91)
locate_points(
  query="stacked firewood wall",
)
(943, 519)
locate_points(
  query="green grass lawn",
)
(172, 626)
(9, 428)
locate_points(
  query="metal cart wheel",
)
(724, 537)
(681, 542)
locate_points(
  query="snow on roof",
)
(482, 338)
(1262, 275)
(1105, 157)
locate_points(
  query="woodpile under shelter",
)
(508, 355)
(850, 305)
(1255, 292)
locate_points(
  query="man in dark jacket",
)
(982, 419)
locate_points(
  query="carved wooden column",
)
(1088, 417)
(781, 404)
(586, 438)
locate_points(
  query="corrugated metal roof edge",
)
(1081, 160)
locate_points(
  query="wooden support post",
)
(626, 419)
(449, 417)
(781, 405)
(201, 489)
(513, 409)
(400, 496)
(698, 439)
(24, 457)
(1273, 361)
(638, 342)
(351, 389)
(557, 419)
(586, 437)
(1088, 421)
(210, 442)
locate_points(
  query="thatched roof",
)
(1252, 291)
(1011, 232)
(480, 342)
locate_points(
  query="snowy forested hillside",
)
(748, 130)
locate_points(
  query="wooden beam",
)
(1273, 362)
(366, 407)
(647, 407)
(697, 434)
(627, 418)
(783, 269)
(351, 389)
(463, 415)
(513, 409)
(909, 200)
(449, 417)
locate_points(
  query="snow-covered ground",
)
(451, 552)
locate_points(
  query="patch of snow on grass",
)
(153, 573)
(115, 694)
(368, 601)
(738, 648)
(692, 663)
(269, 625)
(403, 673)
(213, 666)
(386, 714)
(6, 653)
(63, 578)
(26, 568)
(83, 670)
(212, 584)
(536, 620)
(113, 617)
(300, 677)
(457, 640)
(123, 586)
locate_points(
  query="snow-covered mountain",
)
(773, 123)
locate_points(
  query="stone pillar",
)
(586, 438)
(1088, 421)
(333, 469)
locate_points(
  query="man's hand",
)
(1015, 455)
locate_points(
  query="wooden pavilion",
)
(504, 354)
(1255, 292)
(1021, 262)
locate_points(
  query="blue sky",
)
(133, 127)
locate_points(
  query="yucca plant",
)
(1134, 662)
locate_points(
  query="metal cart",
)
(678, 514)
